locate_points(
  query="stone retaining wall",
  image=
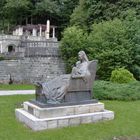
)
(31, 69)
(35, 61)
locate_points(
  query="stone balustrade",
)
(31, 38)
(9, 37)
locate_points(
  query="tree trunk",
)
(31, 20)
(26, 20)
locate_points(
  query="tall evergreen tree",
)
(91, 11)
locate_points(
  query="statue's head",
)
(82, 56)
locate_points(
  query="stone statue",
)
(81, 68)
(56, 89)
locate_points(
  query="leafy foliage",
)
(107, 42)
(121, 75)
(115, 43)
(17, 10)
(91, 11)
(106, 90)
(111, 46)
(133, 32)
(14, 12)
(73, 41)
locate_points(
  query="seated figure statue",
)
(69, 87)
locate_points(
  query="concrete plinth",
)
(55, 117)
(51, 112)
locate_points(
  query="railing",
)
(32, 48)
(40, 38)
(42, 52)
(9, 37)
(30, 38)
(47, 43)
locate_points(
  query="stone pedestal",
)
(40, 118)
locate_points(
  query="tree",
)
(132, 24)
(108, 42)
(73, 41)
(17, 10)
(2, 14)
(91, 11)
(111, 46)
(59, 10)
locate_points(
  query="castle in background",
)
(31, 54)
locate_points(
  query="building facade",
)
(31, 54)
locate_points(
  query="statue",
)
(66, 100)
(55, 90)
(81, 69)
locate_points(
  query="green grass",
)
(106, 90)
(16, 87)
(126, 123)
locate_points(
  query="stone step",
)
(57, 122)
(60, 111)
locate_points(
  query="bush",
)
(133, 31)
(114, 43)
(106, 90)
(111, 46)
(73, 41)
(107, 42)
(122, 75)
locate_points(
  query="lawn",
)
(126, 123)
(16, 87)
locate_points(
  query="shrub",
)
(133, 31)
(121, 75)
(111, 46)
(106, 90)
(73, 41)
(114, 43)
